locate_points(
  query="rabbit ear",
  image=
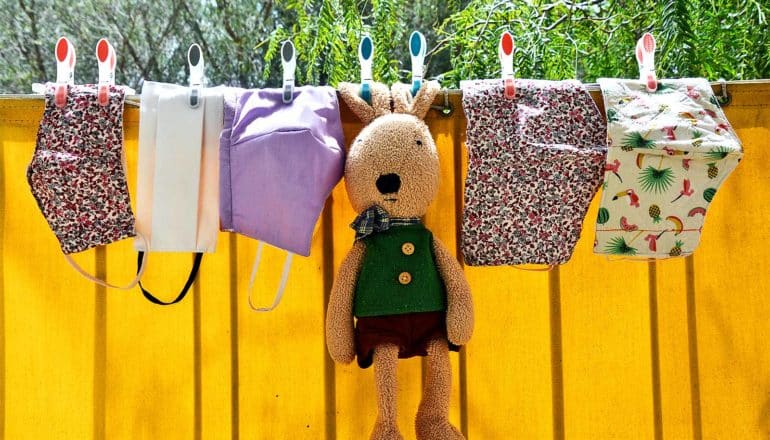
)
(418, 105)
(380, 105)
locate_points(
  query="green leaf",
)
(656, 180)
(618, 246)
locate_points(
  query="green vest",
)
(382, 288)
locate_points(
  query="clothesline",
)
(134, 100)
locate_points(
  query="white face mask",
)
(177, 188)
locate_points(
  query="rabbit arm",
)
(459, 318)
(339, 314)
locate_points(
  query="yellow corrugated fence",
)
(592, 350)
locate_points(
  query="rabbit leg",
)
(385, 362)
(432, 422)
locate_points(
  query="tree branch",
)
(37, 54)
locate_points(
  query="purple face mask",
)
(278, 163)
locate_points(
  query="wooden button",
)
(404, 278)
(407, 248)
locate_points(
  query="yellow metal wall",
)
(592, 350)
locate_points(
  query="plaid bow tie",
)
(375, 219)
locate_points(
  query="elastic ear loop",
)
(281, 286)
(100, 282)
(648, 259)
(536, 269)
(187, 284)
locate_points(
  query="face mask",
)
(534, 164)
(670, 151)
(177, 188)
(77, 174)
(279, 162)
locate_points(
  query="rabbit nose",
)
(388, 183)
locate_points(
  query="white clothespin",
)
(505, 52)
(289, 63)
(365, 56)
(65, 71)
(417, 47)
(197, 67)
(645, 56)
(105, 56)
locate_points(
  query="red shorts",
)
(410, 332)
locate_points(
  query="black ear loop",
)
(187, 285)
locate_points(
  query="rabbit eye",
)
(419, 142)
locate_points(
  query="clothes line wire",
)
(134, 100)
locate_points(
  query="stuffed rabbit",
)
(406, 291)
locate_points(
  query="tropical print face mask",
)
(670, 150)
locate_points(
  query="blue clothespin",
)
(365, 56)
(289, 63)
(197, 68)
(417, 47)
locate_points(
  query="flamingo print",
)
(670, 135)
(686, 163)
(633, 198)
(614, 167)
(672, 152)
(686, 191)
(652, 239)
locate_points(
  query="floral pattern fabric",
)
(534, 164)
(77, 174)
(669, 151)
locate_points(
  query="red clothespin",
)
(505, 52)
(645, 56)
(105, 55)
(65, 70)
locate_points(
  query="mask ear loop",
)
(536, 269)
(101, 282)
(281, 285)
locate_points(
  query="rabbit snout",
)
(388, 183)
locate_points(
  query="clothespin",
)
(289, 63)
(417, 47)
(505, 52)
(197, 66)
(105, 56)
(365, 56)
(645, 56)
(65, 70)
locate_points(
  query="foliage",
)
(554, 39)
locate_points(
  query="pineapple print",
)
(677, 249)
(655, 213)
(697, 140)
(713, 170)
